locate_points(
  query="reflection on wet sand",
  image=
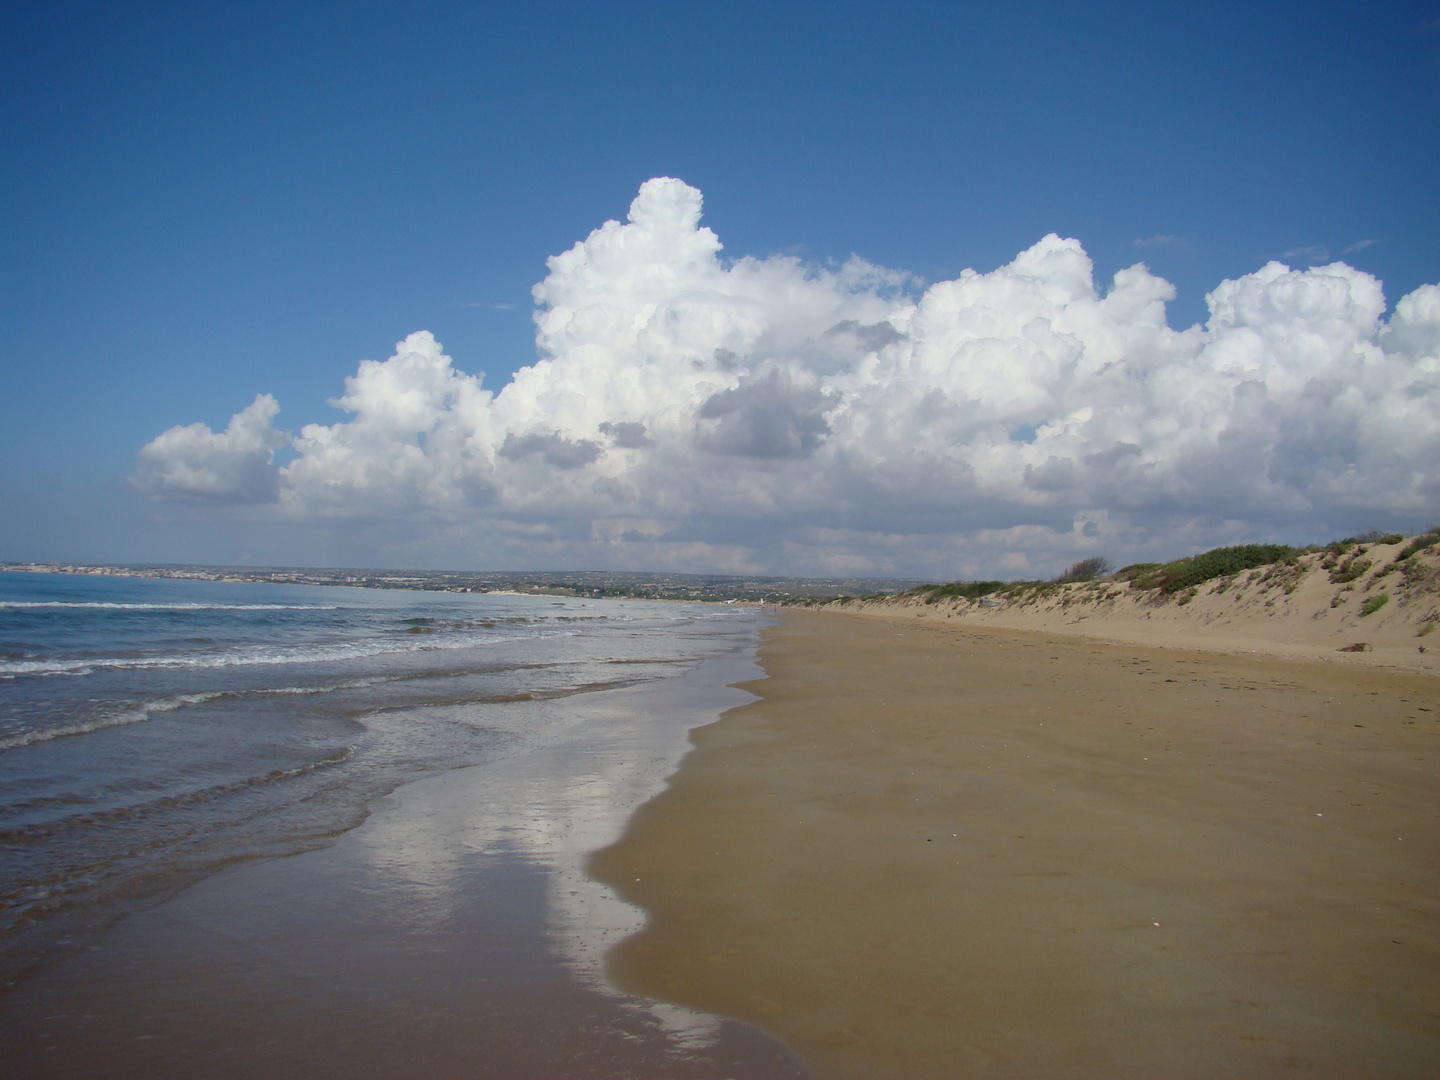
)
(455, 933)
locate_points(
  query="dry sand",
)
(935, 850)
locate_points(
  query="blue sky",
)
(201, 205)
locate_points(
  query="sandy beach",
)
(940, 849)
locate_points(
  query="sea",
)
(156, 730)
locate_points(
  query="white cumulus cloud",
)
(195, 464)
(692, 412)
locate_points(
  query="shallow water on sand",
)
(453, 933)
(152, 731)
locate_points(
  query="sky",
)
(858, 311)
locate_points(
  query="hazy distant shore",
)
(937, 848)
(596, 584)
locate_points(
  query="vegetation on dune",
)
(967, 590)
(1419, 544)
(1343, 570)
(1414, 571)
(1086, 570)
(1373, 536)
(1345, 560)
(1182, 574)
(1136, 570)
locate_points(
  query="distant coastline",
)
(609, 584)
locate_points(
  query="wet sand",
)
(944, 851)
(453, 934)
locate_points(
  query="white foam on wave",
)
(98, 605)
(129, 716)
(254, 655)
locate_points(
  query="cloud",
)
(766, 414)
(194, 464)
(1162, 240)
(775, 415)
(627, 436)
(554, 449)
(1308, 256)
(1359, 245)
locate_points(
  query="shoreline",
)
(937, 848)
(452, 933)
(157, 731)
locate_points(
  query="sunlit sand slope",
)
(1314, 605)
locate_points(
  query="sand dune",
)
(1296, 610)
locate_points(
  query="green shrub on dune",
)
(965, 590)
(1419, 544)
(1173, 577)
(1344, 559)
(1374, 536)
(1352, 568)
(1086, 570)
(1136, 570)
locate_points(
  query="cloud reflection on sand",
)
(596, 759)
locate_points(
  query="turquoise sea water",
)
(152, 730)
